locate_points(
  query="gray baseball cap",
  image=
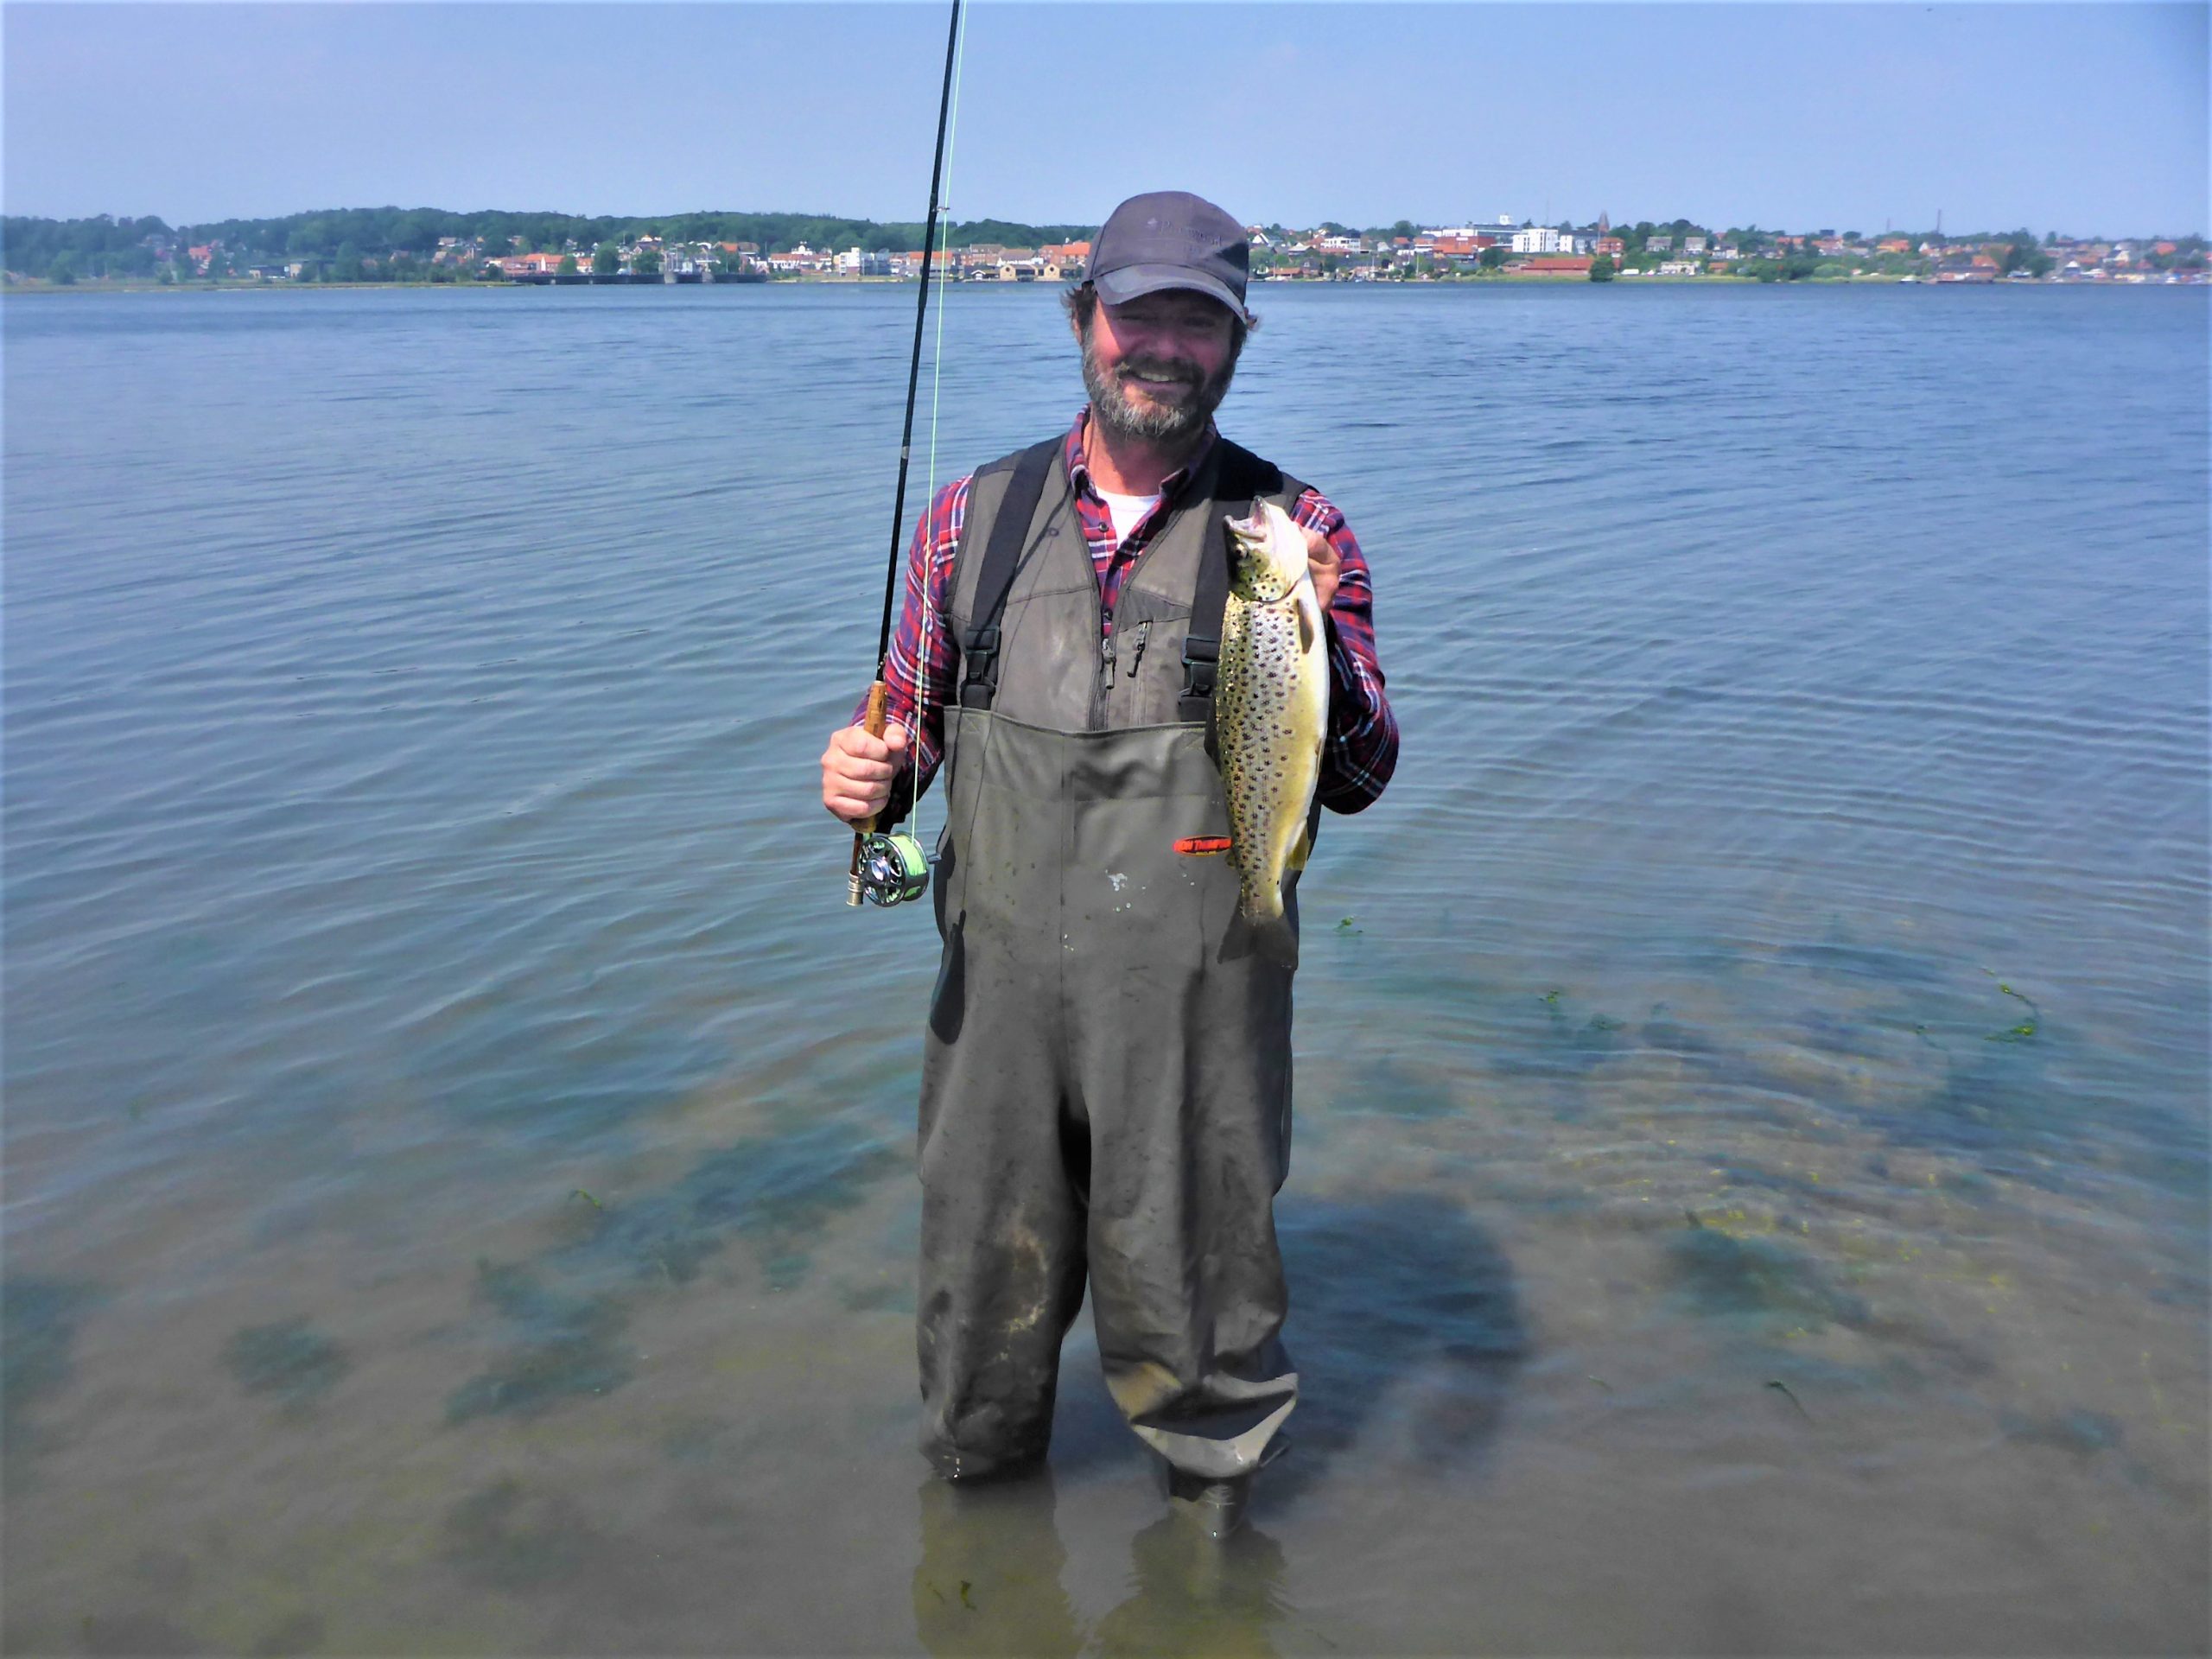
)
(1169, 239)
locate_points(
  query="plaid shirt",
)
(1362, 748)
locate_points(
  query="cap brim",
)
(1119, 287)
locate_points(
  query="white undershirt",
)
(1127, 511)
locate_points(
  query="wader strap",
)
(1243, 478)
(979, 652)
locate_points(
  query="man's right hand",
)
(857, 771)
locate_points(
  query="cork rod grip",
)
(879, 700)
(879, 696)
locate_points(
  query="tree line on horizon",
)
(105, 245)
(401, 241)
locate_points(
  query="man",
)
(1106, 1079)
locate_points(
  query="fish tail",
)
(1274, 938)
(1272, 934)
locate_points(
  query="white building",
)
(1542, 239)
(856, 262)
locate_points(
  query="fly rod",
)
(858, 884)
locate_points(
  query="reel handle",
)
(878, 701)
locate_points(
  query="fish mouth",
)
(1248, 540)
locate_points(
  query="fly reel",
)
(892, 869)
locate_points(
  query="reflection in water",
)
(1401, 1304)
(1193, 1594)
(988, 1581)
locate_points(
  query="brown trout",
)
(1271, 709)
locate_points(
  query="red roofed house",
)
(1065, 259)
(530, 264)
(1553, 265)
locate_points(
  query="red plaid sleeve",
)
(915, 664)
(1361, 750)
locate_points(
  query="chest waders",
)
(1105, 1094)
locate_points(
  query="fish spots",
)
(1270, 708)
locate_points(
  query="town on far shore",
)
(417, 246)
(1596, 252)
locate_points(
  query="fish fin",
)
(1277, 940)
(1261, 929)
(1305, 629)
(1301, 850)
(1273, 938)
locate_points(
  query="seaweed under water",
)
(39, 1319)
(289, 1358)
(567, 1310)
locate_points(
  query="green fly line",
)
(937, 387)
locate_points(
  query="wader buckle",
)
(1201, 657)
(980, 653)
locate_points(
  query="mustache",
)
(1160, 369)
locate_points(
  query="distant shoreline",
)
(29, 285)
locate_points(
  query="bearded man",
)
(1106, 1086)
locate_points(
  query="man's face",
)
(1158, 367)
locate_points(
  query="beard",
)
(1156, 422)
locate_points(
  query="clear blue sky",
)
(2086, 119)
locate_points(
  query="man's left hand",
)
(1321, 560)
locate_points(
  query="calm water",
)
(1751, 1182)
